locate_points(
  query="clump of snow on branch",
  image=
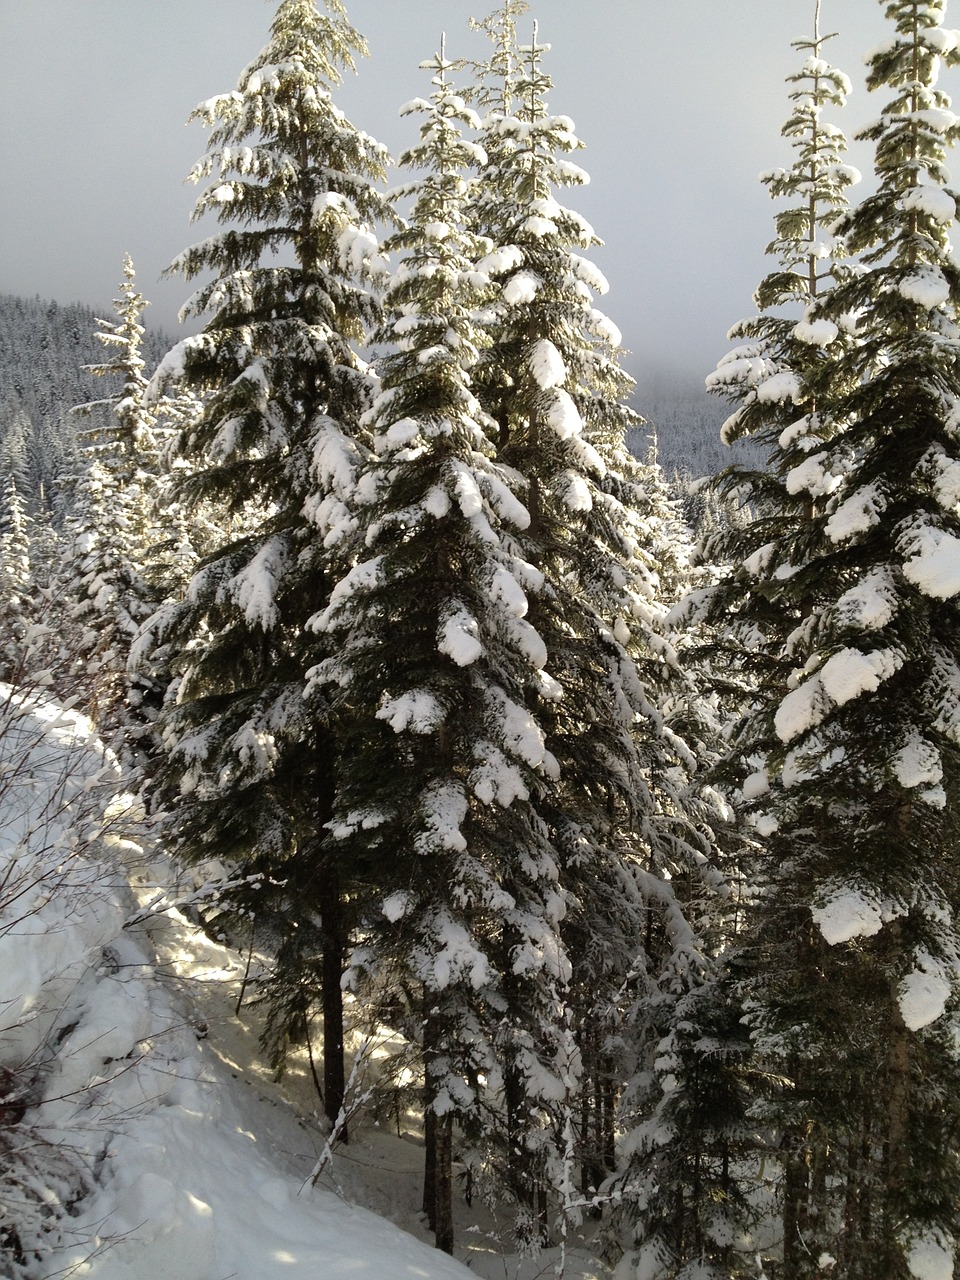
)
(923, 993)
(546, 365)
(934, 561)
(848, 913)
(845, 675)
(930, 1257)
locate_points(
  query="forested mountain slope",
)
(44, 346)
(684, 422)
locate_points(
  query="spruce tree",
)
(15, 446)
(849, 761)
(634, 835)
(294, 186)
(14, 578)
(443, 767)
(785, 381)
(109, 533)
(692, 1207)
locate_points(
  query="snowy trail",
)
(196, 1200)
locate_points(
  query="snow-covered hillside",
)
(131, 1146)
(139, 1133)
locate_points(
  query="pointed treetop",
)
(815, 45)
(497, 75)
(439, 63)
(818, 40)
(299, 26)
(908, 219)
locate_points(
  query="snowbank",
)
(128, 1149)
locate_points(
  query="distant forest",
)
(45, 345)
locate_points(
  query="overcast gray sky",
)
(680, 104)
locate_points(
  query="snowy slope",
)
(111, 1104)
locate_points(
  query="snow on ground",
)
(273, 1129)
(147, 1137)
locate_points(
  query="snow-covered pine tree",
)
(851, 954)
(770, 377)
(109, 533)
(682, 1198)
(294, 186)
(133, 433)
(443, 768)
(15, 446)
(14, 576)
(186, 534)
(621, 809)
(14, 538)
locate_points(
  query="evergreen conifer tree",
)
(443, 767)
(849, 760)
(623, 809)
(14, 576)
(771, 379)
(110, 530)
(15, 446)
(698, 1123)
(273, 453)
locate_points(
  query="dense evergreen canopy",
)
(641, 858)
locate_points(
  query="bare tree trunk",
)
(608, 1131)
(429, 1203)
(438, 1147)
(518, 1157)
(443, 1184)
(898, 1113)
(794, 1201)
(333, 941)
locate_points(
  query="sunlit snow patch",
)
(546, 365)
(927, 288)
(929, 1257)
(933, 201)
(934, 566)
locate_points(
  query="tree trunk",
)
(896, 1156)
(443, 1184)
(438, 1148)
(333, 938)
(429, 1204)
(333, 941)
(794, 1201)
(522, 1171)
(518, 1163)
(608, 1109)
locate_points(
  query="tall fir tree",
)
(294, 186)
(14, 578)
(849, 760)
(111, 528)
(443, 771)
(771, 379)
(634, 835)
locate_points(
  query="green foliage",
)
(271, 455)
(842, 598)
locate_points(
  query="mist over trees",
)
(616, 779)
